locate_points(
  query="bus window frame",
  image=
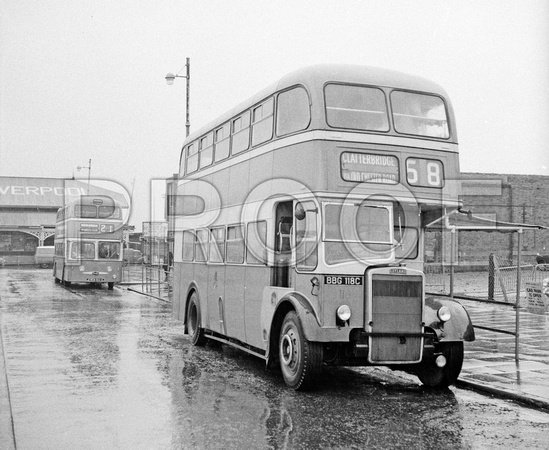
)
(387, 208)
(188, 156)
(216, 247)
(242, 238)
(421, 136)
(386, 102)
(225, 139)
(262, 259)
(258, 123)
(245, 129)
(277, 133)
(202, 244)
(206, 150)
(193, 236)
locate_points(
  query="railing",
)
(500, 282)
(152, 280)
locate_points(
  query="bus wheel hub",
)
(287, 349)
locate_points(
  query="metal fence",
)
(151, 280)
(488, 279)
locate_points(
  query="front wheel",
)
(442, 377)
(300, 359)
(196, 332)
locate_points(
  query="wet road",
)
(99, 369)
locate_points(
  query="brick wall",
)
(509, 198)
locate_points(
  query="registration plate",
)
(331, 279)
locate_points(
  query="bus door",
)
(280, 272)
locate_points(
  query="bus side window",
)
(201, 245)
(206, 150)
(222, 136)
(192, 158)
(241, 133)
(256, 244)
(188, 245)
(235, 244)
(217, 245)
(293, 111)
(262, 128)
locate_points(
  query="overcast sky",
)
(84, 79)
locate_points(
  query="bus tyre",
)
(300, 359)
(110, 285)
(442, 377)
(196, 332)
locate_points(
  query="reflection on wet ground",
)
(92, 368)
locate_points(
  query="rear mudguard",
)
(458, 328)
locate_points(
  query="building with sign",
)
(28, 209)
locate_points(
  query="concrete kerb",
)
(506, 394)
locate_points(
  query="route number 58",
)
(424, 172)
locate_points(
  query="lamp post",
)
(89, 172)
(170, 78)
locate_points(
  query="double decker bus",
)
(88, 241)
(300, 224)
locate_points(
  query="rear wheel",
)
(110, 285)
(300, 359)
(440, 377)
(196, 332)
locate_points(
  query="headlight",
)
(81, 268)
(343, 313)
(444, 314)
(109, 269)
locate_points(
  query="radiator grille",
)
(396, 312)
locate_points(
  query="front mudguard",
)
(458, 328)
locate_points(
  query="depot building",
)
(28, 211)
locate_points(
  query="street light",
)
(170, 78)
(89, 172)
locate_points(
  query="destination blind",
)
(369, 168)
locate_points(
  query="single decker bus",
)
(300, 220)
(88, 241)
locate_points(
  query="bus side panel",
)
(180, 288)
(238, 184)
(257, 277)
(57, 267)
(233, 302)
(200, 278)
(216, 291)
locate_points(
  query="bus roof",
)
(97, 200)
(317, 75)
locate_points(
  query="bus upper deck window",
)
(85, 211)
(262, 128)
(241, 133)
(192, 158)
(221, 143)
(356, 107)
(293, 111)
(206, 150)
(109, 212)
(419, 114)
